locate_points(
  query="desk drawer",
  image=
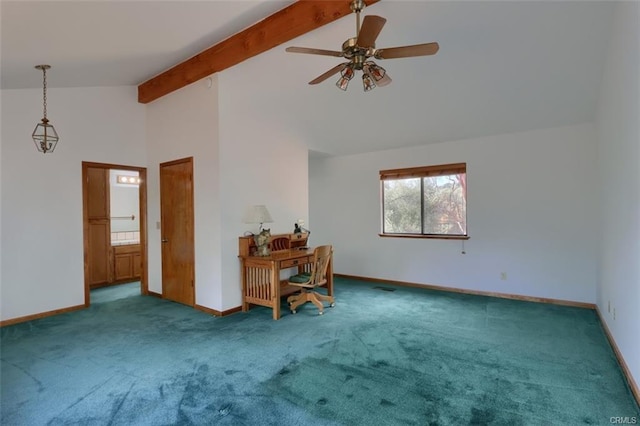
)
(295, 262)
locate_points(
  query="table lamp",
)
(258, 214)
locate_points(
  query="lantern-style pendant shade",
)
(45, 136)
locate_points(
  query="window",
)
(429, 202)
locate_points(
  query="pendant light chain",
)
(44, 91)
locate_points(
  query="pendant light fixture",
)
(44, 136)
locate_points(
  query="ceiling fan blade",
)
(326, 75)
(407, 51)
(314, 51)
(371, 27)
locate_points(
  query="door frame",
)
(142, 212)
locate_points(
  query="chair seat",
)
(302, 278)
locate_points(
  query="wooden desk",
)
(261, 283)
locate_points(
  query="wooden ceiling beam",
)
(293, 21)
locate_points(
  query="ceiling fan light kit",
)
(367, 82)
(346, 75)
(359, 49)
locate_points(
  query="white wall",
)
(179, 125)
(42, 249)
(41, 198)
(240, 158)
(531, 214)
(1, 211)
(262, 161)
(618, 126)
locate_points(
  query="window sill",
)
(427, 236)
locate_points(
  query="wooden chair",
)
(308, 281)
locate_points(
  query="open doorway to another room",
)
(114, 220)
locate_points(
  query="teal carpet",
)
(111, 293)
(403, 357)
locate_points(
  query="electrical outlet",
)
(503, 276)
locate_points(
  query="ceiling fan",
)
(360, 49)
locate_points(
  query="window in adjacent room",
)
(425, 202)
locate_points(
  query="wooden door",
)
(98, 225)
(177, 229)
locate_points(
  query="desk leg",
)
(243, 273)
(275, 291)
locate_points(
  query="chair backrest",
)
(321, 258)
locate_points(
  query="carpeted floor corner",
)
(403, 357)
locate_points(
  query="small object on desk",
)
(262, 242)
(299, 229)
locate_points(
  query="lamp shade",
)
(257, 214)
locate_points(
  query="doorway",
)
(109, 259)
(177, 231)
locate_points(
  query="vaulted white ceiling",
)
(502, 66)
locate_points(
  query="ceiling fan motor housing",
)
(357, 54)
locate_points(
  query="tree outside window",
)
(426, 201)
